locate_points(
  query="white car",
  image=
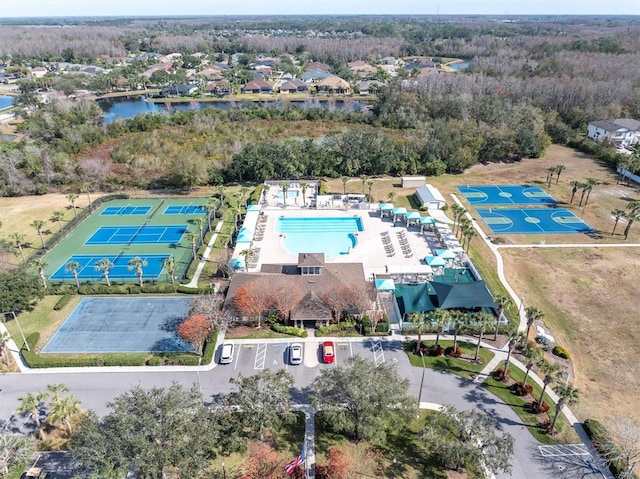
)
(295, 354)
(226, 353)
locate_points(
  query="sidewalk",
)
(205, 256)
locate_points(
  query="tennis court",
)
(169, 234)
(185, 210)
(125, 210)
(119, 271)
(505, 195)
(533, 221)
(122, 325)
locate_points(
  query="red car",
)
(328, 352)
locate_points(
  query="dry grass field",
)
(588, 294)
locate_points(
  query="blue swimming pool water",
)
(333, 236)
(290, 194)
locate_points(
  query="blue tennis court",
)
(505, 195)
(122, 325)
(533, 221)
(120, 270)
(185, 210)
(125, 210)
(137, 234)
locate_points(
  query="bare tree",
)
(621, 445)
(210, 306)
(287, 293)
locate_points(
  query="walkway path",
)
(205, 257)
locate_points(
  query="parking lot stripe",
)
(261, 356)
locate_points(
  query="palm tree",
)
(193, 239)
(38, 225)
(551, 373)
(304, 186)
(441, 317)
(456, 212)
(567, 395)
(31, 403)
(502, 302)
(344, 184)
(463, 223)
(104, 265)
(137, 263)
(199, 222)
(515, 339)
(39, 264)
(421, 322)
(72, 197)
(390, 196)
(559, 169)
(369, 188)
(57, 216)
(265, 193)
(623, 166)
(631, 217)
(550, 172)
(533, 314)
(18, 239)
(574, 188)
(220, 190)
(5, 337)
(74, 267)
(617, 214)
(87, 188)
(284, 186)
(56, 390)
(585, 188)
(591, 182)
(170, 265)
(481, 320)
(469, 233)
(63, 410)
(211, 206)
(533, 355)
(246, 254)
(364, 179)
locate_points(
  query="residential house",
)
(334, 84)
(179, 90)
(212, 72)
(38, 72)
(621, 132)
(369, 87)
(258, 86)
(218, 87)
(92, 70)
(294, 86)
(316, 75)
(318, 66)
(362, 69)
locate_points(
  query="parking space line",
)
(261, 356)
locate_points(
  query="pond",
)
(459, 66)
(5, 101)
(129, 107)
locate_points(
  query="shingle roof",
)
(310, 259)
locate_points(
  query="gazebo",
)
(399, 214)
(386, 209)
(426, 220)
(413, 218)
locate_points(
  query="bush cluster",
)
(341, 326)
(435, 351)
(539, 408)
(93, 289)
(299, 332)
(62, 302)
(449, 351)
(500, 375)
(561, 352)
(519, 389)
(186, 290)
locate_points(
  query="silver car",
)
(226, 353)
(295, 354)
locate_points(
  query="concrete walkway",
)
(205, 257)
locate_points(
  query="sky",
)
(68, 8)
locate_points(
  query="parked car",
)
(328, 352)
(295, 354)
(226, 353)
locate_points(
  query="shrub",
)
(561, 352)
(433, 351)
(186, 290)
(62, 302)
(279, 328)
(537, 408)
(154, 361)
(453, 354)
(159, 288)
(499, 375)
(519, 389)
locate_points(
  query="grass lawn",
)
(531, 421)
(463, 367)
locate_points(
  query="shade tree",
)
(195, 329)
(254, 298)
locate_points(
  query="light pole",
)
(422, 380)
(15, 318)
(224, 473)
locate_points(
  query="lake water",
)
(129, 107)
(459, 66)
(5, 101)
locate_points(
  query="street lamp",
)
(15, 318)
(224, 473)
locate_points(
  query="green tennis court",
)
(118, 229)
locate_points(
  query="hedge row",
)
(341, 326)
(62, 302)
(279, 328)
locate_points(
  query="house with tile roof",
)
(258, 86)
(334, 84)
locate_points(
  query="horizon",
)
(54, 9)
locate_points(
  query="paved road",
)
(95, 389)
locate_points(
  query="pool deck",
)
(370, 249)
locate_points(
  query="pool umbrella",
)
(245, 235)
(385, 285)
(434, 261)
(414, 215)
(427, 220)
(400, 210)
(386, 207)
(446, 254)
(253, 208)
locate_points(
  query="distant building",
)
(178, 90)
(430, 197)
(413, 181)
(258, 86)
(621, 132)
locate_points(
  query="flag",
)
(290, 467)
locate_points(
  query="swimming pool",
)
(333, 236)
(290, 193)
